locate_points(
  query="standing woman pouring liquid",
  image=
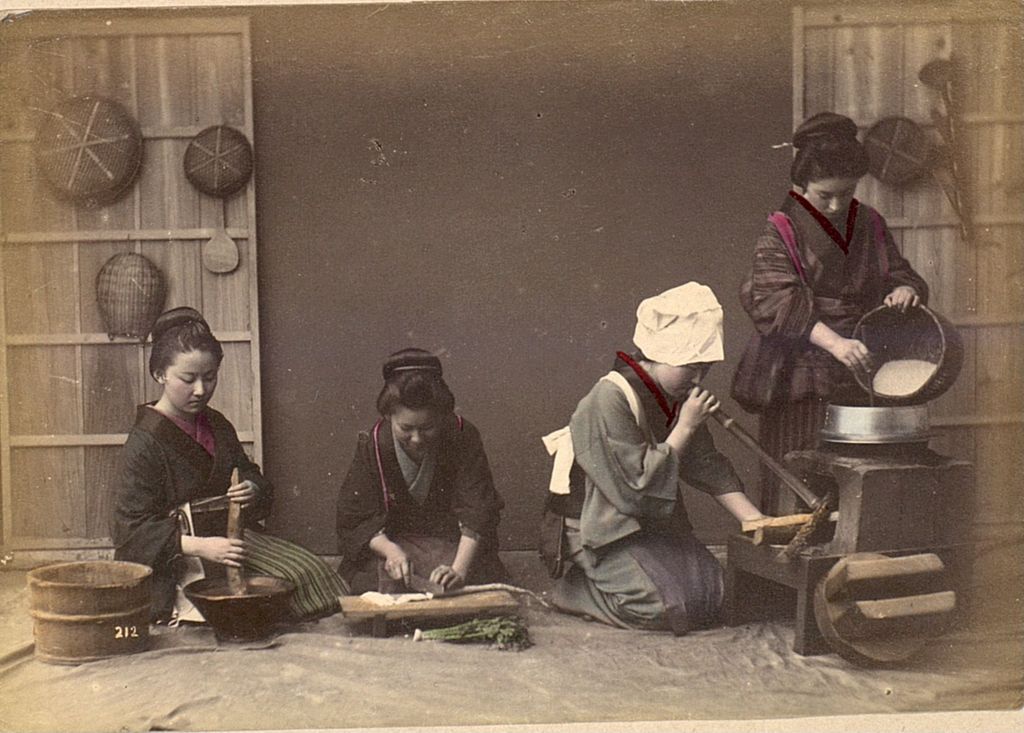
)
(171, 498)
(823, 261)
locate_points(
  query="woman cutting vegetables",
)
(418, 498)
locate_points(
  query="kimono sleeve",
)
(476, 503)
(705, 469)
(142, 528)
(360, 513)
(636, 476)
(778, 300)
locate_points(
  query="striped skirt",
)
(791, 426)
(317, 585)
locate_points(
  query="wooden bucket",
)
(84, 611)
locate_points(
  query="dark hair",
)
(179, 331)
(827, 147)
(413, 379)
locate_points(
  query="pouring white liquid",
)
(902, 377)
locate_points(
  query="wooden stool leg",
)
(745, 597)
(807, 638)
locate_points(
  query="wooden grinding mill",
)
(880, 581)
(241, 608)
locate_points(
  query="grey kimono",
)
(636, 561)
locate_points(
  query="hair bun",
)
(174, 318)
(411, 360)
(824, 126)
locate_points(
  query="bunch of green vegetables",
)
(504, 632)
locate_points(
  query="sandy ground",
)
(328, 675)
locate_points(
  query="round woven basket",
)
(130, 293)
(898, 150)
(218, 161)
(89, 150)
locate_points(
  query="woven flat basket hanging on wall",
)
(89, 150)
(130, 292)
(218, 161)
(899, 151)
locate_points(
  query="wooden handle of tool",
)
(789, 480)
(236, 582)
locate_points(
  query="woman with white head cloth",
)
(640, 429)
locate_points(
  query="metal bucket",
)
(84, 611)
(919, 334)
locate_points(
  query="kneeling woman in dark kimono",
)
(636, 563)
(170, 504)
(419, 497)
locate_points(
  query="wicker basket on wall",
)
(130, 292)
(89, 150)
(218, 161)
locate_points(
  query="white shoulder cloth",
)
(559, 442)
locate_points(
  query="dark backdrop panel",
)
(502, 184)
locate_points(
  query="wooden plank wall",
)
(862, 60)
(69, 393)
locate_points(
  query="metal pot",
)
(876, 425)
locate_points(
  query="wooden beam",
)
(200, 234)
(6, 493)
(71, 440)
(58, 543)
(961, 421)
(834, 15)
(84, 339)
(165, 132)
(974, 321)
(989, 220)
(119, 25)
(798, 61)
(254, 310)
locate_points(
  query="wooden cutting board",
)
(484, 603)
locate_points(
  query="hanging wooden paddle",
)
(219, 163)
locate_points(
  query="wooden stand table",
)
(752, 576)
(484, 603)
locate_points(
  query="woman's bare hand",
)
(902, 297)
(699, 404)
(215, 549)
(398, 566)
(853, 354)
(243, 493)
(447, 577)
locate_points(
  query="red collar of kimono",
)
(648, 380)
(828, 226)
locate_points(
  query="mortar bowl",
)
(249, 616)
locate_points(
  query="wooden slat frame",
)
(983, 423)
(75, 236)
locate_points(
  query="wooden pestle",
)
(236, 579)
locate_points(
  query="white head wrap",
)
(681, 326)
